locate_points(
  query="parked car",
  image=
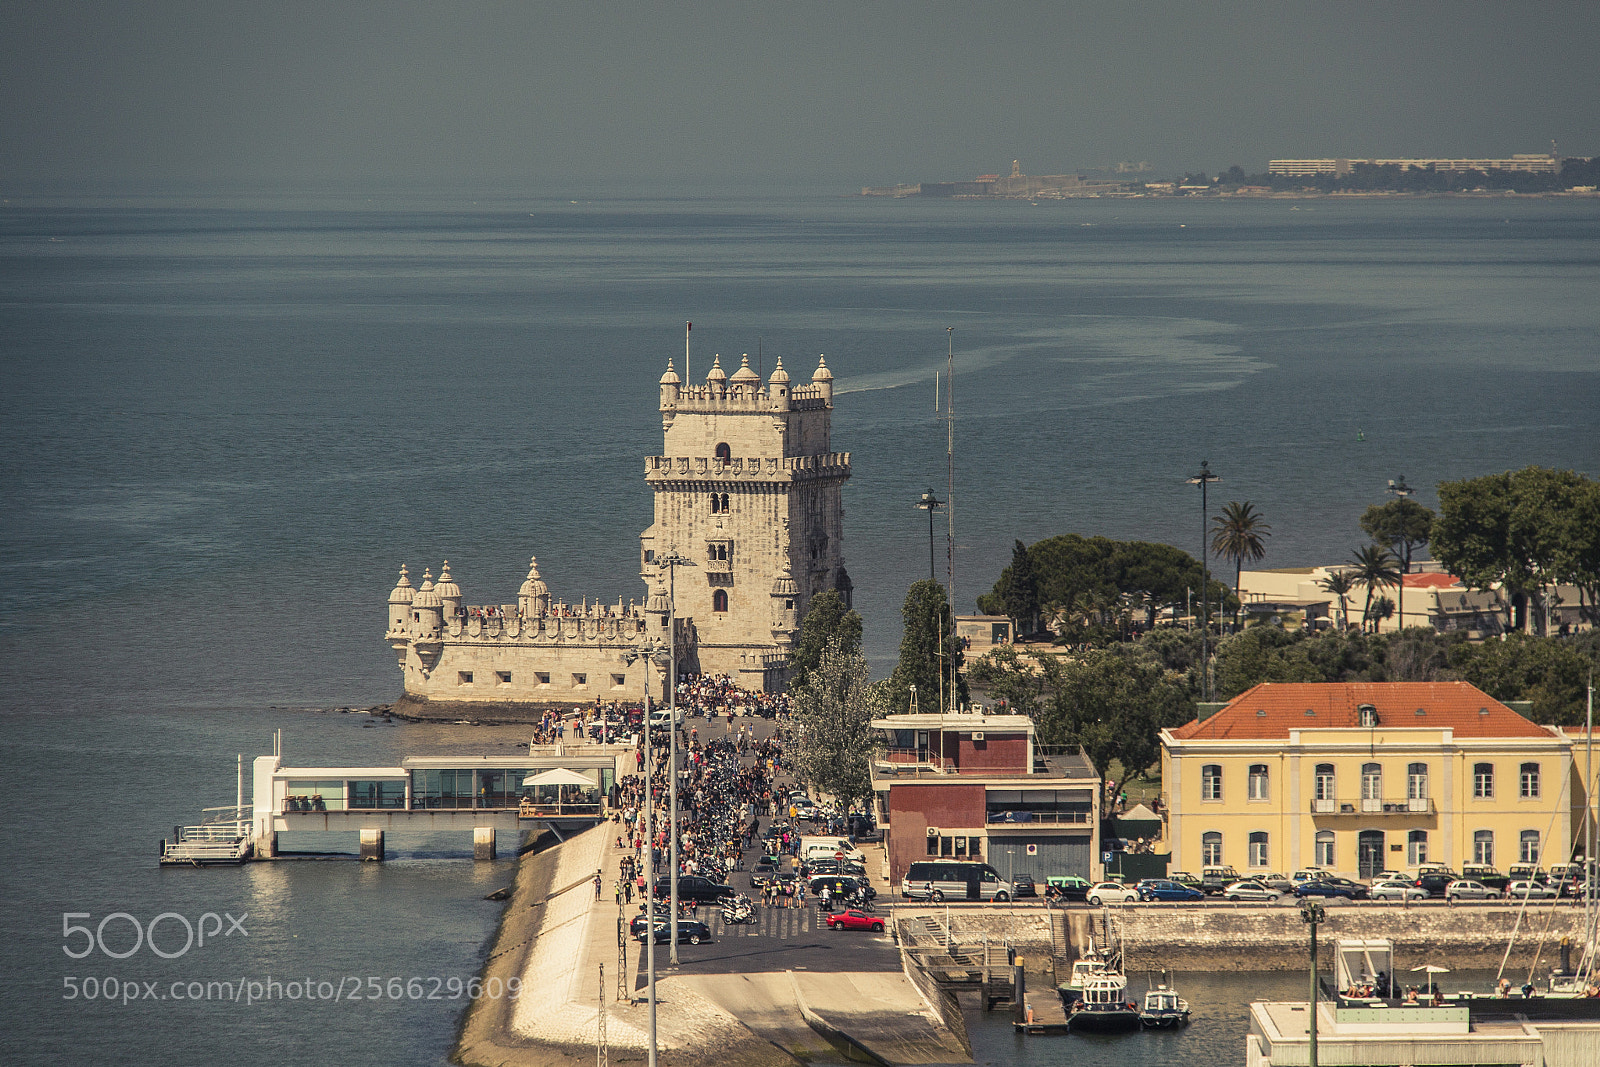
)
(1308, 874)
(855, 920)
(1185, 878)
(1530, 871)
(1274, 881)
(840, 883)
(1436, 882)
(1069, 886)
(1216, 879)
(1396, 889)
(1391, 876)
(694, 887)
(1332, 887)
(1250, 890)
(1525, 889)
(1467, 889)
(1168, 890)
(1023, 885)
(1112, 893)
(1486, 874)
(691, 930)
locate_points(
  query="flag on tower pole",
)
(687, 326)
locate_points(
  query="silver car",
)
(1250, 890)
(1467, 889)
(1113, 893)
(1530, 890)
(1393, 889)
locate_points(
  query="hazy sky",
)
(829, 93)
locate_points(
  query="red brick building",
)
(973, 786)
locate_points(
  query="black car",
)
(691, 930)
(1436, 882)
(762, 873)
(1023, 885)
(694, 887)
(840, 883)
(1332, 887)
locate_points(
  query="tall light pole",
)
(1400, 489)
(1312, 913)
(650, 651)
(1203, 479)
(930, 504)
(672, 561)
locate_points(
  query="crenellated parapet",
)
(758, 469)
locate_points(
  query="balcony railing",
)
(1368, 806)
(530, 810)
(1059, 818)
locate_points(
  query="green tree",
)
(1551, 672)
(1022, 592)
(1341, 584)
(1524, 529)
(1375, 568)
(1402, 524)
(1114, 707)
(834, 710)
(1239, 534)
(1018, 680)
(923, 655)
(827, 619)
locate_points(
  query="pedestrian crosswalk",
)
(779, 923)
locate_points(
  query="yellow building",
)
(1364, 777)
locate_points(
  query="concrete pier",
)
(483, 843)
(372, 845)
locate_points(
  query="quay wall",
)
(1273, 938)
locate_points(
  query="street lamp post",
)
(1312, 913)
(650, 651)
(672, 561)
(1203, 479)
(930, 504)
(1400, 489)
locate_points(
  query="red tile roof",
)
(1431, 580)
(1272, 709)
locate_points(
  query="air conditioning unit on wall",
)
(977, 735)
(933, 831)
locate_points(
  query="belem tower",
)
(748, 487)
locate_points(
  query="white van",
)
(827, 846)
(941, 880)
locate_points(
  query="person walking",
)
(598, 882)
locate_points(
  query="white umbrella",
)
(559, 776)
(1432, 968)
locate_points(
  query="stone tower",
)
(748, 487)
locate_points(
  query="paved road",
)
(794, 939)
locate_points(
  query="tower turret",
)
(784, 615)
(400, 598)
(670, 383)
(449, 593)
(822, 378)
(427, 610)
(745, 383)
(533, 599)
(717, 379)
(778, 387)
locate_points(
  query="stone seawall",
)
(1273, 937)
(413, 708)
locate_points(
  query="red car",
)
(855, 920)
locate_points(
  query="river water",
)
(227, 421)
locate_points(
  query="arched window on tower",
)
(716, 503)
(724, 453)
(724, 501)
(719, 600)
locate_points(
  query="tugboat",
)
(1105, 1007)
(1164, 1009)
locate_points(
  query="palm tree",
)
(1375, 567)
(1341, 584)
(1239, 534)
(1382, 608)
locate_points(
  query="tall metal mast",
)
(950, 494)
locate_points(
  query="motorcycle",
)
(738, 912)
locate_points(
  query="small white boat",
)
(1164, 1009)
